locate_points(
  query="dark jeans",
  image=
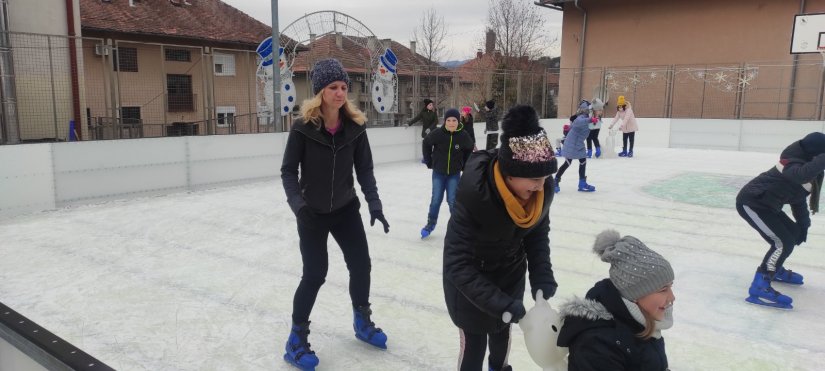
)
(441, 183)
(347, 229)
(592, 138)
(492, 141)
(566, 164)
(625, 137)
(474, 346)
(777, 229)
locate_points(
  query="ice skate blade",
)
(293, 364)
(379, 346)
(757, 301)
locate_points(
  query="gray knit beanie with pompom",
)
(635, 269)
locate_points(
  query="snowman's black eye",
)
(554, 328)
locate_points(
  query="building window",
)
(224, 64)
(125, 59)
(226, 116)
(179, 93)
(177, 55)
(130, 115)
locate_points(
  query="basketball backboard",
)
(808, 33)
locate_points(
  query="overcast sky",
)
(398, 19)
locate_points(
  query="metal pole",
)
(51, 78)
(276, 73)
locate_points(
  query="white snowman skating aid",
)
(265, 79)
(610, 145)
(541, 326)
(384, 83)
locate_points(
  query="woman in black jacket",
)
(428, 118)
(498, 231)
(325, 144)
(797, 175)
(445, 150)
(618, 325)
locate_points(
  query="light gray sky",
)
(396, 19)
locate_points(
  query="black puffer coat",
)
(782, 184)
(601, 335)
(326, 164)
(446, 152)
(429, 121)
(486, 255)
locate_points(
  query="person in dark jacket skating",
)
(445, 150)
(497, 233)
(617, 326)
(797, 175)
(428, 118)
(326, 143)
(491, 114)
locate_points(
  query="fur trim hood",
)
(585, 308)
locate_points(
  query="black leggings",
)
(566, 164)
(625, 137)
(593, 137)
(777, 229)
(474, 346)
(347, 229)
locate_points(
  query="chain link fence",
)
(121, 90)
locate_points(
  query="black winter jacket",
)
(429, 121)
(601, 335)
(486, 255)
(326, 163)
(467, 121)
(446, 152)
(782, 184)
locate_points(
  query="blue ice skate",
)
(298, 352)
(598, 152)
(630, 154)
(425, 232)
(623, 153)
(584, 187)
(590, 153)
(761, 293)
(365, 329)
(788, 276)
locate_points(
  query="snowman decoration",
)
(385, 83)
(265, 80)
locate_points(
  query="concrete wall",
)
(49, 176)
(42, 16)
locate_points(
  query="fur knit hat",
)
(525, 150)
(635, 269)
(327, 71)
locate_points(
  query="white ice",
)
(204, 281)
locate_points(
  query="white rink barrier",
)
(36, 177)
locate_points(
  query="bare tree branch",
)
(430, 35)
(519, 28)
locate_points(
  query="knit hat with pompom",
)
(525, 150)
(635, 269)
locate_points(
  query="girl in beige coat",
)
(627, 124)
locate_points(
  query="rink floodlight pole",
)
(276, 71)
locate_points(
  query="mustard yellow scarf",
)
(523, 216)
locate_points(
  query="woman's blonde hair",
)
(311, 110)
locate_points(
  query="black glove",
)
(380, 217)
(516, 310)
(803, 235)
(305, 215)
(548, 290)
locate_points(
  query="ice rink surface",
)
(204, 280)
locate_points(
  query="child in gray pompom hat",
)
(617, 326)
